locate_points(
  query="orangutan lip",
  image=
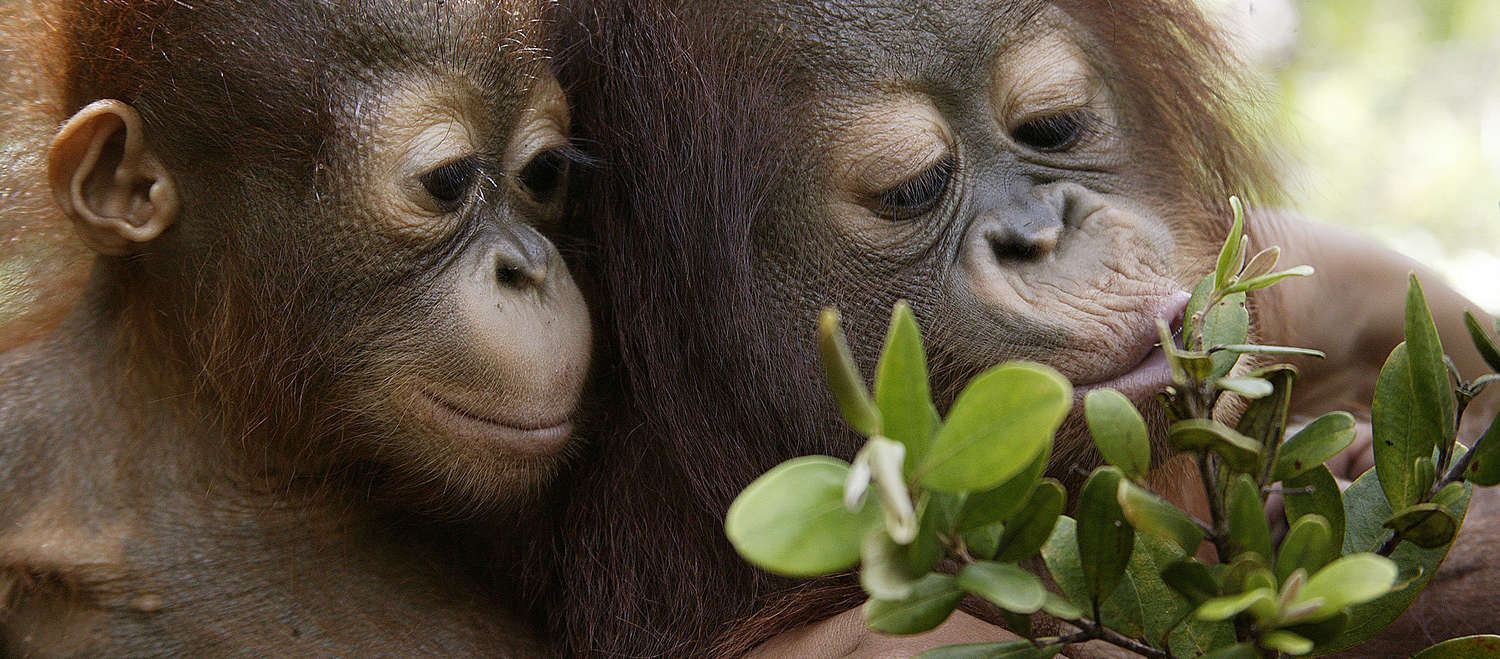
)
(542, 431)
(1147, 377)
(1152, 372)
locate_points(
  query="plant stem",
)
(1093, 631)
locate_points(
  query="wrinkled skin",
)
(1018, 171)
(323, 327)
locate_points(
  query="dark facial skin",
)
(323, 314)
(1018, 171)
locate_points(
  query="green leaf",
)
(1021, 649)
(1002, 420)
(984, 542)
(1262, 263)
(1482, 341)
(1059, 607)
(1321, 632)
(885, 572)
(1400, 437)
(1151, 514)
(1226, 323)
(1268, 280)
(1482, 646)
(1005, 585)
(1230, 253)
(1353, 579)
(1196, 305)
(1319, 495)
(932, 599)
(1285, 641)
(1025, 535)
(1435, 406)
(1105, 540)
(1229, 606)
(1484, 467)
(792, 520)
(1239, 452)
(1306, 546)
(1320, 440)
(1264, 419)
(844, 380)
(1251, 349)
(1425, 525)
(901, 389)
(1246, 386)
(1119, 431)
(1192, 579)
(1236, 651)
(1246, 512)
(1366, 513)
(1001, 502)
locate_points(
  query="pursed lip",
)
(544, 437)
(1152, 373)
(1149, 376)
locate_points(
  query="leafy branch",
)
(970, 487)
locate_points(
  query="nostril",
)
(509, 276)
(1011, 245)
(1014, 250)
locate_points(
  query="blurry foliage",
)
(1392, 112)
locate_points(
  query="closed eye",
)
(449, 183)
(1054, 132)
(919, 194)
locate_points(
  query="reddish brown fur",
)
(689, 116)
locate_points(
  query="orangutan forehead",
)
(927, 44)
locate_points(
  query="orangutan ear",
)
(107, 179)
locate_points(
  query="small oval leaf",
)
(792, 519)
(1002, 420)
(1105, 540)
(1119, 431)
(1320, 440)
(1306, 546)
(1025, 535)
(1192, 579)
(1246, 386)
(1353, 579)
(1248, 528)
(1426, 525)
(1239, 452)
(1151, 514)
(1316, 492)
(1005, 585)
(932, 599)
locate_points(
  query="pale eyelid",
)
(886, 146)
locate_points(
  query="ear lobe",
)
(106, 178)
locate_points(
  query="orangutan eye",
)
(1054, 132)
(450, 182)
(919, 194)
(545, 174)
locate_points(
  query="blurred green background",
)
(1392, 116)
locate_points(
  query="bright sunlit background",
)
(1392, 111)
